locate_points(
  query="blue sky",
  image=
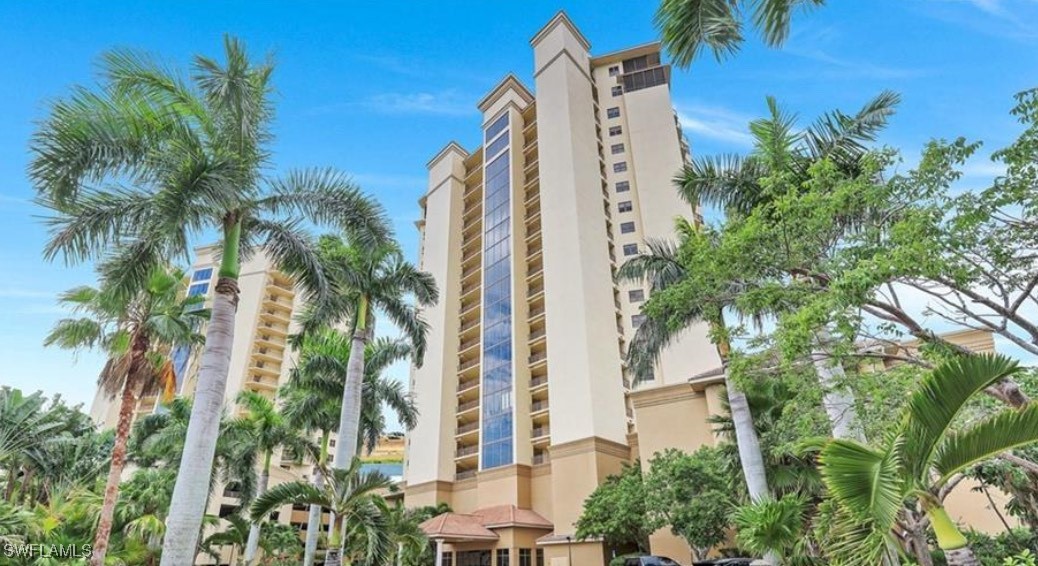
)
(377, 88)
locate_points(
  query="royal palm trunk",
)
(837, 399)
(750, 458)
(349, 417)
(252, 544)
(196, 465)
(313, 522)
(122, 432)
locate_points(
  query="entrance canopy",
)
(478, 525)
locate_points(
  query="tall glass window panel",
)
(497, 411)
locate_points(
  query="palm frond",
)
(688, 26)
(729, 182)
(865, 482)
(1005, 431)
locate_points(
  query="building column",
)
(439, 552)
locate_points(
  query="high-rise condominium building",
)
(524, 399)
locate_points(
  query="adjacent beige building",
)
(261, 360)
(526, 405)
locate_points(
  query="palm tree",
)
(312, 399)
(354, 500)
(268, 430)
(874, 485)
(135, 331)
(410, 542)
(25, 424)
(737, 185)
(661, 268)
(689, 26)
(369, 278)
(235, 535)
(176, 158)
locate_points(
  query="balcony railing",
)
(465, 428)
(538, 357)
(468, 344)
(458, 476)
(466, 385)
(541, 458)
(538, 406)
(540, 432)
(470, 324)
(536, 312)
(462, 407)
(468, 364)
(538, 381)
(537, 334)
(467, 450)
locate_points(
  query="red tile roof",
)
(478, 524)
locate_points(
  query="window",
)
(448, 559)
(625, 206)
(203, 274)
(636, 295)
(626, 227)
(617, 148)
(525, 557)
(630, 249)
(617, 90)
(502, 557)
(613, 112)
(620, 167)
(614, 70)
(637, 320)
(540, 557)
(198, 289)
(623, 186)
(615, 130)
(645, 79)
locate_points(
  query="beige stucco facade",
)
(588, 154)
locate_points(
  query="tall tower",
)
(524, 393)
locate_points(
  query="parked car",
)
(725, 562)
(650, 561)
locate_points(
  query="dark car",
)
(725, 562)
(650, 561)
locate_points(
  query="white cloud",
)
(448, 103)
(715, 123)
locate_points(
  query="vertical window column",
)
(497, 438)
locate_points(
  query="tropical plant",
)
(313, 398)
(354, 500)
(689, 26)
(690, 494)
(772, 525)
(266, 430)
(173, 159)
(873, 486)
(135, 330)
(235, 535)
(680, 298)
(617, 511)
(409, 545)
(369, 279)
(25, 424)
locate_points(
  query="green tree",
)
(135, 331)
(680, 298)
(267, 431)
(172, 159)
(690, 493)
(689, 26)
(617, 511)
(369, 279)
(234, 535)
(313, 399)
(25, 424)
(353, 497)
(873, 485)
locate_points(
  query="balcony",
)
(534, 291)
(537, 334)
(540, 458)
(538, 358)
(467, 364)
(467, 289)
(466, 451)
(469, 385)
(540, 432)
(538, 406)
(464, 346)
(469, 306)
(469, 271)
(474, 323)
(539, 381)
(536, 313)
(467, 428)
(268, 326)
(464, 475)
(262, 383)
(466, 407)
(267, 369)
